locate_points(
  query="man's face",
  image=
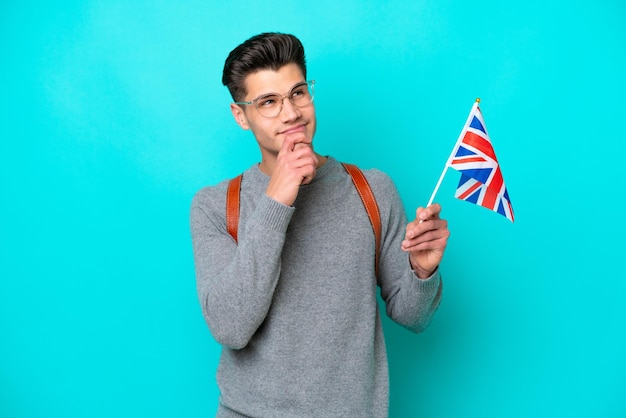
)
(291, 121)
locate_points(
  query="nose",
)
(289, 111)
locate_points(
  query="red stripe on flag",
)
(493, 188)
(511, 211)
(469, 191)
(497, 181)
(469, 160)
(479, 143)
(490, 198)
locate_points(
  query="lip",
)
(294, 129)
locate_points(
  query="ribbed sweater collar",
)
(257, 176)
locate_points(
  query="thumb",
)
(420, 214)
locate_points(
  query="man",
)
(293, 300)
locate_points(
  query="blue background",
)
(112, 115)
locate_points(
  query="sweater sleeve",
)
(409, 301)
(236, 282)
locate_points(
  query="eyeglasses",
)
(270, 105)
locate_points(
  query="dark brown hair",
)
(266, 51)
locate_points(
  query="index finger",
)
(288, 144)
(429, 212)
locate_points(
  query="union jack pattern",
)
(481, 178)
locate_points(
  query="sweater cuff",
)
(274, 215)
(430, 281)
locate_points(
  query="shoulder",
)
(373, 175)
(385, 191)
(377, 177)
(210, 196)
(384, 188)
(213, 198)
(208, 206)
(381, 183)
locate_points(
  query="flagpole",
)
(458, 141)
(432, 196)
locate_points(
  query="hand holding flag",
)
(425, 240)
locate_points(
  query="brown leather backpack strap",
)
(369, 201)
(232, 206)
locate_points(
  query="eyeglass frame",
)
(310, 86)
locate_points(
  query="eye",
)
(299, 91)
(267, 101)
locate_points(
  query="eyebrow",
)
(271, 93)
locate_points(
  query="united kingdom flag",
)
(481, 178)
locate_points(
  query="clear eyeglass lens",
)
(271, 105)
(301, 96)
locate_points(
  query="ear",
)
(240, 116)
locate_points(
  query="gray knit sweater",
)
(294, 303)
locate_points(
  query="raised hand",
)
(425, 240)
(295, 165)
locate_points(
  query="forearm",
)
(236, 282)
(415, 301)
(411, 295)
